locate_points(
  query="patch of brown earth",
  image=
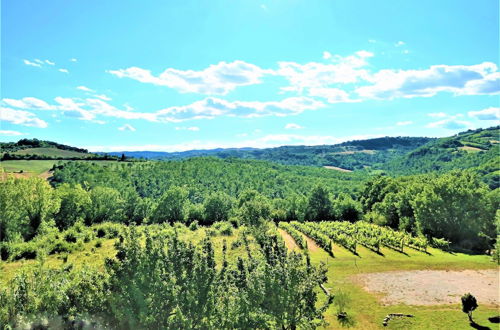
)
(311, 244)
(468, 148)
(289, 241)
(432, 287)
(45, 175)
(337, 168)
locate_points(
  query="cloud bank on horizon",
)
(384, 86)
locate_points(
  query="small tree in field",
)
(469, 303)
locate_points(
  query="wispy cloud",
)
(11, 133)
(191, 128)
(30, 63)
(456, 79)
(218, 79)
(404, 123)
(127, 127)
(64, 70)
(85, 89)
(208, 108)
(293, 126)
(491, 113)
(21, 117)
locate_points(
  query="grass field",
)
(52, 152)
(35, 167)
(365, 309)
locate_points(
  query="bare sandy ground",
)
(337, 168)
(289, 241)
(432, 287)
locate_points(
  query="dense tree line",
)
(455, 206)
(35, 143)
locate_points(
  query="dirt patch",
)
(432, 287)
(46, 175)
(311, 244)
(289, 241)
(469, 148)
(337, 168)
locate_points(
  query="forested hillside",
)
(350, 155)
(479, 149)
(34, 149)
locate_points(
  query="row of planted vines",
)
(349, 235)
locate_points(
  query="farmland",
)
(115, 242)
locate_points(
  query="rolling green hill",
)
(479, 149)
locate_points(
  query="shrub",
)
(98, 244)
(224, 228)
(194, 225)
(70, 237)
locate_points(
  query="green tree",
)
(107, 205)
(347, 209)
(217, 207)
(75, 203)
(319, 205)
(455, 206)
(171, 206)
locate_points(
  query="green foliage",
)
(107, 205)
(347, 209)
(454, 206)
(217, 207)
(26, 206)
(75, 203)
(171, 206)
(319, 205)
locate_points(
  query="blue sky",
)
(176, 75)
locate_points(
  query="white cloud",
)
(103, 97)
(21, 117)
(450, 123)
(28, 103)
(218, 79)
(491, 113)
(437, 115)
(85, 89)
(343, 70)
(212, 107)
(191, 128)
(208, 108)
(327, 55)
(64, 70)
(11, 133)
(127, 127)
(264, 7)
(404, 123)
(27, 62)
(49, 62)
(293, 126)
(389, 84)
(73, 60)
(399, 43)
(333, 95)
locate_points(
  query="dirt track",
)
(432, 287)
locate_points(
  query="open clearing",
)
(337, 168)
(432, 287)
